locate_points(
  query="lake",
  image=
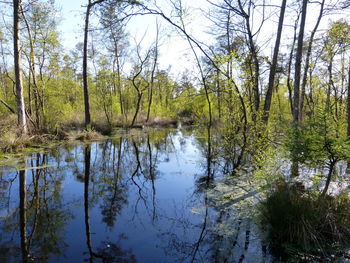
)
(138, 196)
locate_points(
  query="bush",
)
(300, 222)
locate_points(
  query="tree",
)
(41, 48)
(273, 68)
(297, 73)
(114, 31)
(253, 50)
(307, 60)
(335, 45)
(154, 66)
(203, 74)
(85, 50)
(21, 114)
(138, 81)
(348, 106)
(298, 58)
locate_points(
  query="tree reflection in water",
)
(188, 224)
(41, 215)
(23, 214)
(133, 198)
(107, 252)
(114, 199)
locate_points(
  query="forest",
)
(261, 89)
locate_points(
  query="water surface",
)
(156, 196)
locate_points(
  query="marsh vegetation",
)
(241, 154)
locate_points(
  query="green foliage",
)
(338, 35)
(318, 140)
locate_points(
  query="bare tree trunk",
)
(229, 64)
(139, 97)
(85, 80)
(289, 86)
(298, 58)
(218, 93)
(138, 90)
(348, 106)
(150, 97)
(254, 53)
(122, 111)
(116, 61)
(33, 74)
(330, 83)
(348, 113)
(22, 122)
(203, 77)
(329, 177)
(85, 50)
(307, 60)
(270, 87)
(29, 92)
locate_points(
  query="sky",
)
(71, 24)
(175, 53)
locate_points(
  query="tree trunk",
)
(139, 97)
(307, 61)
(289, 86)
(29, 92)
(85, 80)
(348, 114)
(218, 93)
(230, 62)
(270, 87)
(122, 111)
(22, 122)
(348, 106)
(33, 74)
(329, 177)
(116, 61)
(253, 50)
(85, 51)
(330, 83)
(150, 97)
(203, 78)
(298, 58)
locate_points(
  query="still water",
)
(156, 196)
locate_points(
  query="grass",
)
(301, 224)
(72, 128)
(10, 142)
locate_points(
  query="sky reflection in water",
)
(131, 198)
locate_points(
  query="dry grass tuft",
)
(88, 135)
